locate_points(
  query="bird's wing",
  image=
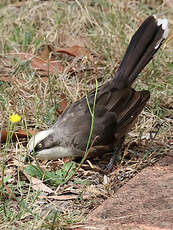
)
(113, 113)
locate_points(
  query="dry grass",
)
(105, 28)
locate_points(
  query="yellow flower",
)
(15, 118)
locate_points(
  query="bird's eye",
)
(39, 146)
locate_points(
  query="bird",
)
(116, 105)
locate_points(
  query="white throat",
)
(54, 153)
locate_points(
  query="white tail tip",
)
(164, 23)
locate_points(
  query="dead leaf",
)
(62, 105)
(23, 133)
(67, 159)
(11, 195)
(37, 184)
(3, 135)
(76, 51)
(45, 67)
(18, 134)
(46, 53)
(43, 78)
(60, 197)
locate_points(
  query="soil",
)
(145, 202)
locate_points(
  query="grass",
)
(105, 28)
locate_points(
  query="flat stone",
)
(144, 203)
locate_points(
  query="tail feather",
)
(143, 45)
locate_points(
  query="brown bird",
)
(116, 107)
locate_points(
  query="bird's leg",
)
(115, 155)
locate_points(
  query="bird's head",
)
(45, 145)
(38, 143)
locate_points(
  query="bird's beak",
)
(27, 159)
(29, 156)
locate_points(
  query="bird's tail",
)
(143, 45)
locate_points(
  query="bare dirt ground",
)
(145, 202)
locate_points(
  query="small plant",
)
(52, 178)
